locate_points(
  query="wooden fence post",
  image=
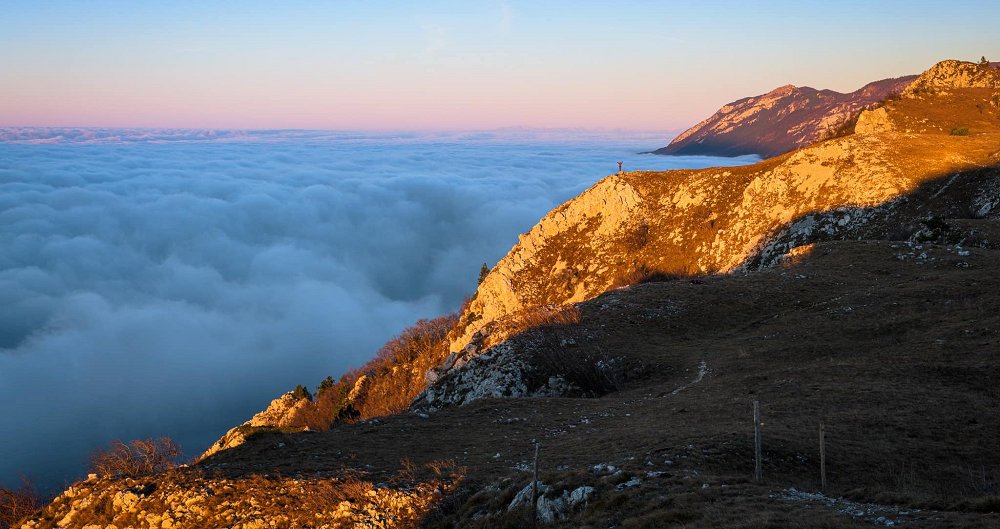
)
(822, 456)
(758, 463)
(534, 491)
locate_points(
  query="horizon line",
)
(308, 129)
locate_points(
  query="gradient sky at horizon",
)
(438, 65)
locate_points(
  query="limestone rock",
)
(552, 506)
(873, 122)
(952, 74)
(359, 386)
(276, 415)
(194, 500)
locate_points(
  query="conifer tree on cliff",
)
(482, 273)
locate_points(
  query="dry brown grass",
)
(637, 238)
(541, 317)
(545, 316)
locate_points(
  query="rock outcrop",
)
(873, 121)
(188, 499)
(786, 118)
(277, 415)
(951, 74)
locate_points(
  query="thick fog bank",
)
(173, 282)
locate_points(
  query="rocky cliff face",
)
(719, 219)
(779, 121)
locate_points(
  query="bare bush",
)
(591, 371)
(16, 504)
(539, 317)
(135, 458)
(642, 273)
(416, 341)
(548, 316)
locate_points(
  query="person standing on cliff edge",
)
(620, 167)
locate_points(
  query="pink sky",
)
(449, 64)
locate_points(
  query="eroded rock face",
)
(779, 121)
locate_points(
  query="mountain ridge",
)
(779, 121)
(712, 220)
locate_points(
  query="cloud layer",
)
(173, 282)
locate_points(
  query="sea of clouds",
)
(166, 282)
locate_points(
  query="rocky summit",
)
(784, 119)
(848, 287)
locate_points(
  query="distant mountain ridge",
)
(781, 120)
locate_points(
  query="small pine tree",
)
(326, 384)
(483, 273)
(983, 61)
(301, 392)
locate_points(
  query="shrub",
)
(16, 504)
(396, 375)
(936, 223)
(325, 386)
(136, 458)
(301, 393)
(960, 131)
(385, 385)
(592, 372)
(638, 238)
